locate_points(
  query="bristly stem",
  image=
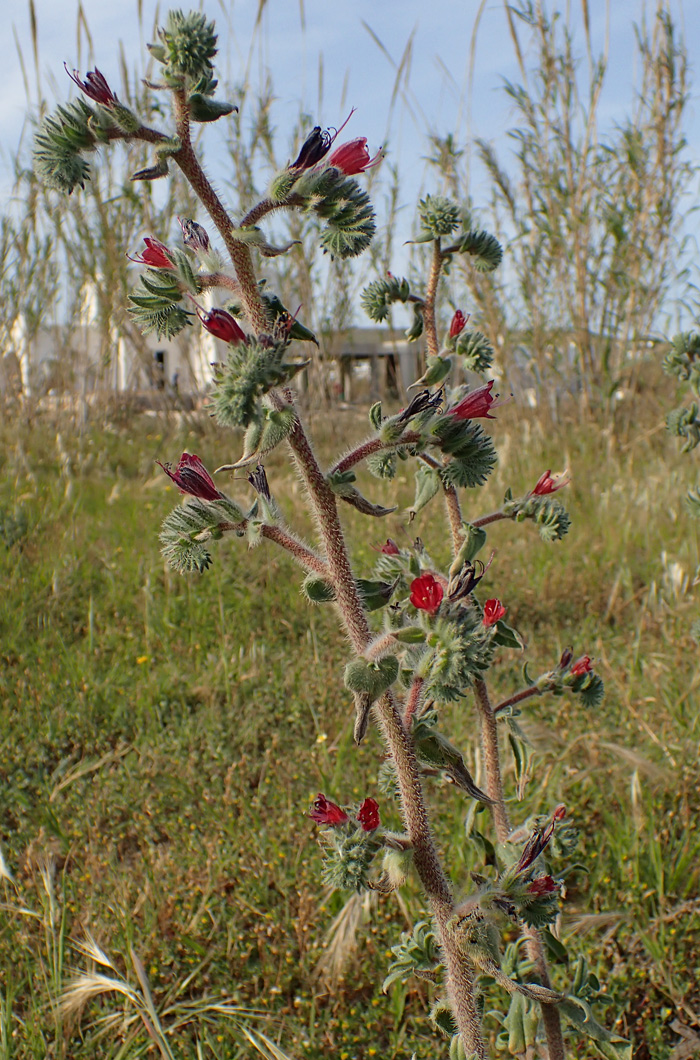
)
(494, 788)
(494, 517)
(454, 515)
(459, 971)
(218, 279)
(413, 700)
(239, 252)
(369, 448)
(429, 323)
(525, 693)
(305, 557)
(452, 505)
(492, 760)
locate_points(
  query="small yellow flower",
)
(322, 737)
(141, 660)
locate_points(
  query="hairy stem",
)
(494, 788)
(454, 511)
(369, 448)
(305, 557)
(218, 279)
(238, 252)
(429, 324)
(494, 517)
(413, 700)
(454, 515)
(525, 693)
(460, 974)
(492, 760)
(266, 206)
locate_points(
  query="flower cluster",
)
(326, 812)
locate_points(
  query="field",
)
(161, 738)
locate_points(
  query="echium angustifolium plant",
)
(683, 361)
(421, 637)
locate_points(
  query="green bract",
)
(438, 216)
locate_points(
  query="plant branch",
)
(460, 975)
(429, 324)
(525, 693)
(267, 206)
(494, 517)
(494, 788)
(454, 515)
(218, 279)
(492, 760)
(413, 700)
(454, 511)
(305, 557)
(369, 448)
(239, 253)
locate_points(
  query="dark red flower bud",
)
(476, 404)
(581, 666)
(317, 145)
(194, 235)
(368, 815)
(493, 612)
(156, 255)
(220, 324)
(546, 484)
(353, 157)
(426, 593)
(95, 86)
(539, 840)
(566, 657)
(542, 885)
(458, 323)
(324, 811)
(191, 476)
(390, 548)
(258, 480)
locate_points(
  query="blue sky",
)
(293, 35)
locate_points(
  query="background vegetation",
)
(155, 735)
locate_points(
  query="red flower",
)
(191, 476)
(220, 324)
(95, 86)
(476, 404)
(458, 322)
(493, 611)
(581, 666)
(426, 593)
(324, 811)
(353, 157)
(546, 484)
(390, 548)
(542, 885)
(156, 255)
(368, 815)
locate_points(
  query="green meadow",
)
(162, 737)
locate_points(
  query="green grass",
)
(161, 738)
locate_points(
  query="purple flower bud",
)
(94, 86)
(191, 476)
